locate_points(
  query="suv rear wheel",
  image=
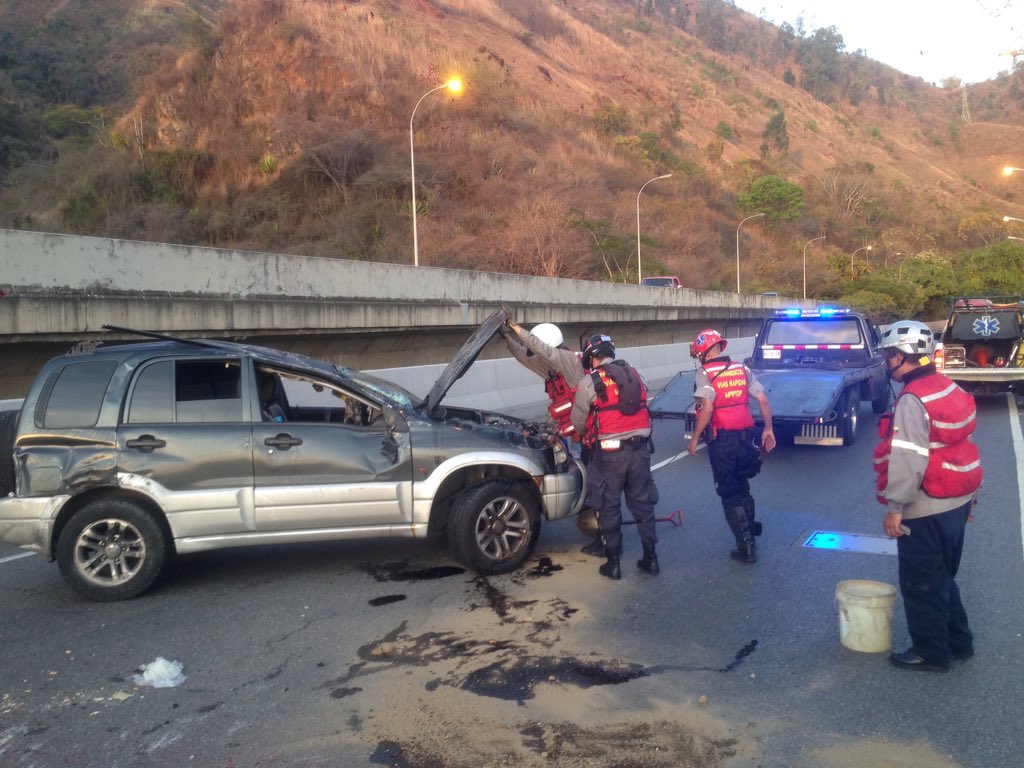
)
(111, 549)
(494, 527)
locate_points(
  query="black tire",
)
(8, 429)
(494, 527)
(851, 415)
(111, 549)
(881, 403)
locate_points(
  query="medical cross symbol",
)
(986, 325)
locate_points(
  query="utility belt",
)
(618, 444)
(746, 434)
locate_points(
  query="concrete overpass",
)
(61, 289)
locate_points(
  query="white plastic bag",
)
(160, 674)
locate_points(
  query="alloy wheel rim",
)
(109, 552)
(502, 528)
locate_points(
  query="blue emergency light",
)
(819, 312)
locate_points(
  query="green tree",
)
(611, 119)
(994, 270)
(778, 199)
(880, 307)
(611, 250)
(821, 63)
(775, 133)
(884, 299)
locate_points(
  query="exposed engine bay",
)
(515, 431)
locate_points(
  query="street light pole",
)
(805, 261)
(1011, 218)
(639, 266)
(738, 247)
(454, 86)
(897, 254)
(863, 248)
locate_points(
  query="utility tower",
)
(1013, 55)
(965, 111)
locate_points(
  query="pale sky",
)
(931, 39)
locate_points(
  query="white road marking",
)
(1018, 452)
(16, 557)
(677, 457)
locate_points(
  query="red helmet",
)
(705, 340)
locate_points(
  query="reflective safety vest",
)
(954, 464)
(729, 381)
(606, 416)
(561, 396)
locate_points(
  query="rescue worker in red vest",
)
(610, 411)
(722, 389)
(542, 351)
(929, 472)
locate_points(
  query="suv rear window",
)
(73, 395)
(187, 391)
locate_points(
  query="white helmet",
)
(549, 333)
(909, 336)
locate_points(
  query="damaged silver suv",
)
(125, 454)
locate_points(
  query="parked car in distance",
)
(124, 455)
(662, 281)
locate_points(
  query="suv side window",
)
(289, 396)
(73, 395)
(187, 391)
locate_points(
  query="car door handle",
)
(145, 443)
(283, 441)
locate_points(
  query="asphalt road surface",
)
(386, 653)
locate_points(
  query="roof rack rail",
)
(161, 336)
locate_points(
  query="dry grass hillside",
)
(284, 125)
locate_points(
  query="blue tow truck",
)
(816, 365)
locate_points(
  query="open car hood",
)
(463, 359)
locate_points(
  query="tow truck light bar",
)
(819, 312)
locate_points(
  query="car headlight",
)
(559, 451)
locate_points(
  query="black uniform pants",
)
(929, 561)
(730, 453)
(610, 474)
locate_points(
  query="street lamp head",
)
(1009, 170)
(454, 85)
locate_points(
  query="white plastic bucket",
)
(865, 614)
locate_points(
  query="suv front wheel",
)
(111, 549)
(494, 527)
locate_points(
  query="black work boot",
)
(595, 548)
(611, 568)
(755, 525)
(649, 562)
(745, 550)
